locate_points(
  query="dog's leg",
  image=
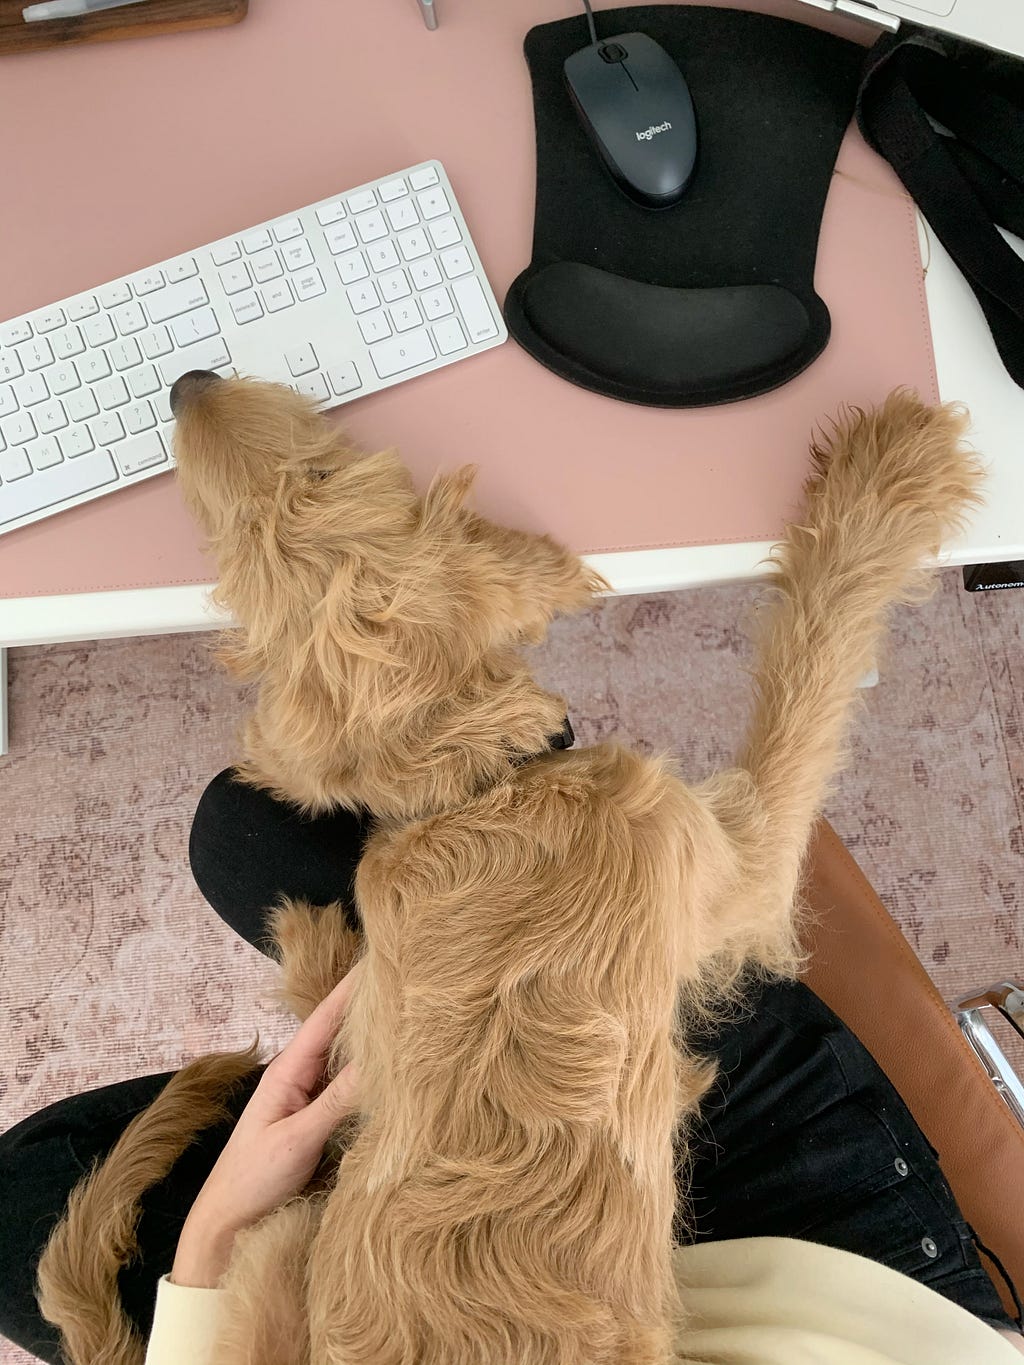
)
(316, 948)
(887, 488)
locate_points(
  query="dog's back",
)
(511, 1198)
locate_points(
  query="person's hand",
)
(275, 1147)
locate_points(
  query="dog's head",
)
(381, 626)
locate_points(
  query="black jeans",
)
(802, 1135)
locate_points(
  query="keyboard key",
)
(107, 429)
(363, 297)
(340, 237)
(382, 255)
(13, 332)
(444, 232)
(162, 403)
(235, 278)
(420, 180)
(402, 215)
(437, 303)
(45, 453)
(359, 203)
(352, 267)
(394, 286)
(246, 308)
(175, 300)
(130, 318)
(297, 255)
(148, 281)
(36, 353)
(392, 189)
(156, 342)
(225, 252)
(67, 343)
(138, 417)
(344, 378)
(49, 320)
(143, 381)
(94, 365)
(433, 203)
(277, 296)
(50, 416)
(414, 244)
(10, 365)
(81, 405)
(142, 453)
(62, 378)
(113, 294)
(125, 354)
(8, 402)
(475, 312)
(112, 392)
(18, 429)
(288, 228)
(371, 226)
(374, 326)
(195, 326)
(309, 284)
(449, 336)
(456, 262)
(56, 485)
(402, 353)
(204, 355)
(181, 269)
(301, 359)
(256, 241)
(405, 316)
(31, 389)
(330, 213)
(266, 265)
(314, 386)
(14, 464)
(77, 441)
(98, 331)
(81, 308)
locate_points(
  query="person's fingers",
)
(315, 1123)
(301, 1061)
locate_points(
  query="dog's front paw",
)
(905, 460)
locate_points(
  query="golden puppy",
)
(540, 927)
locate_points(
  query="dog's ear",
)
(526, 579)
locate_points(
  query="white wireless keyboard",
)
(340, 299)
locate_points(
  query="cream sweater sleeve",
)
(184, 1325)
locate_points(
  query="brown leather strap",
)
(865, 970)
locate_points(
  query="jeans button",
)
(901, 1166)
(929, 1248)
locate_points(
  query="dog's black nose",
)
(189, 385)
(566, 738)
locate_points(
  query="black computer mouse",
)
(635, 105)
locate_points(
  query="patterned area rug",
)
(111, 964)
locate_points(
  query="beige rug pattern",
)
(112, 965)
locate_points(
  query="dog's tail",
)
(887, 488)
(78, 1271)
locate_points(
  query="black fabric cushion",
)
(713, 299)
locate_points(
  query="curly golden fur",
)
(538, 935)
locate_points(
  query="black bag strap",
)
(966, 177)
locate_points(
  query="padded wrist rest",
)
(645, 342)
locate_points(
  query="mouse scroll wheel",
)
(613, 52)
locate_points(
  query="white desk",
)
(968, 370)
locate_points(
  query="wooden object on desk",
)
(128, 21)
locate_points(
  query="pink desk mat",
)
(121, 155)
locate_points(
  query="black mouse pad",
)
(711, 300)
